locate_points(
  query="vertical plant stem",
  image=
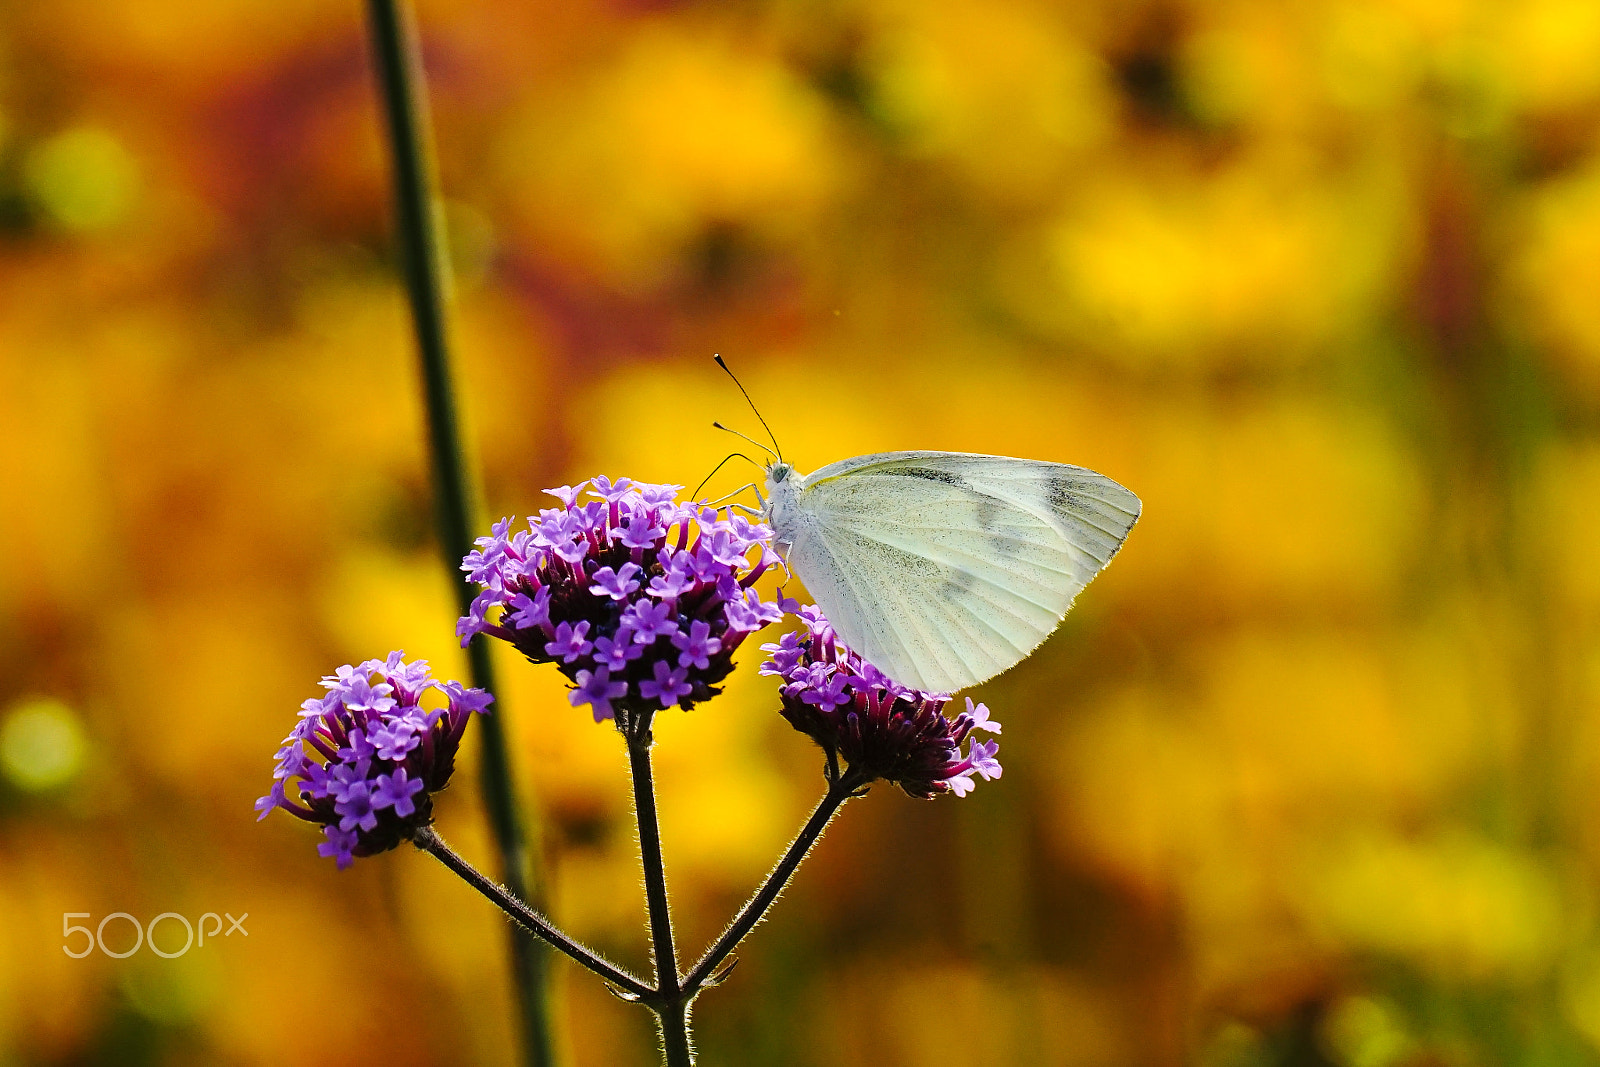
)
(671, 1007)
(400, 80)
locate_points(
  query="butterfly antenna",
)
(776, 449)
(752, 440)
(734, 455)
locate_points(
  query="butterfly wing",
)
(944, 568)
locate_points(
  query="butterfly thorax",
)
(783, 503)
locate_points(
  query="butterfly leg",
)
(736, 492)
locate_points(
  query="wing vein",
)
(979, 559)
(866, 612)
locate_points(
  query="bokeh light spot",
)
(1363, 1032)
(41, 745)
(172, 991)
(82, 179)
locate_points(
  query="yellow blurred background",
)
(1308, 777)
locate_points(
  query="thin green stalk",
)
(400, 79)
(755, 909)
(670, 1004)
(429, 841)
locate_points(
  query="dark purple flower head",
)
(879, 728)
(639, 600)
(367, 757)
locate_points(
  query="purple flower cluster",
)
(638, 599)
(367, 757)
(881, 728)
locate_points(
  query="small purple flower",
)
(567, 493)
(392, 740)
(677, 580)
(396, 791)
(318, 782)
(525, 611)
(571, 551)
(365, 764)
(359, 747)
(596, 689)
(467, 700)
(481, 561)
(827, 688)
(786, 655)
(609, 491)
(961, 784)
(551, 528)
(345, 777)
(696, 647)
(409, 679)
(472, 624)
(879, 728)
(570, 642)
(291, 761)
(641, 531)
(980, 718)
(649, 621)
(616, 584)
(354, 807)
(615, 654)
(361, 695)
(748, 532)
(747, 612)
(727, 550)
(341, 845)
(980, 761)
(667, 685)
(657, 496)
(274, 799)
(741, 618)
(706, 567)
(613, 588)
(983, 761)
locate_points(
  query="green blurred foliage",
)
(1307, 777)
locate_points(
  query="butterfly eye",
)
(780, 471)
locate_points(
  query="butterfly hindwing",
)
(944, 569)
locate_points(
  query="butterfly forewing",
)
(944, 569)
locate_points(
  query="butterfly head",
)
(780, 505)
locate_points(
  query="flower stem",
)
(400, 78)
(429, 841)
(840, 789)
(670, 1004)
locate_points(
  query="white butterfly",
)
(943, 569)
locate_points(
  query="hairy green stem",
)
(670, 1004)
(429, 841)
(839, 791)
